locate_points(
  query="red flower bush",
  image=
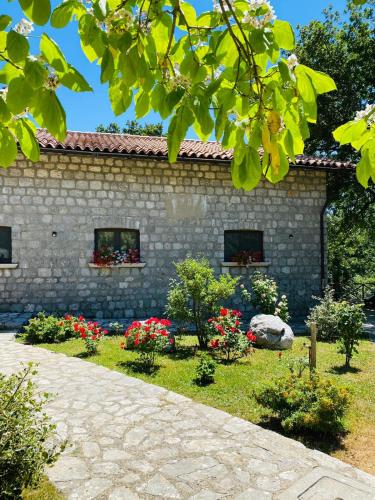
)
(148, 338)
(89, 331)
(227, 339)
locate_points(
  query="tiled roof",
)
(129, 145)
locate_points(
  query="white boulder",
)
(271, 332)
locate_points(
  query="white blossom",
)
(364, 114)
(259, 21)
(292, 62)
(24, 27)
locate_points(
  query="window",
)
(5, 245)
(243, 246)
(116, 246)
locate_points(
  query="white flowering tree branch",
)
(222, 72)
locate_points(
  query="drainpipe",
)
(323, 274)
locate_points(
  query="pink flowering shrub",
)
(148, 338)
(89, 331)
(228, 341)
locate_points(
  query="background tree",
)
(133, 127)
(343, 46)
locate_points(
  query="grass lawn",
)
(45, 491)
(233, 390)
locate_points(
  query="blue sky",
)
(86, 110)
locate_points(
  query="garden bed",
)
(235, 384)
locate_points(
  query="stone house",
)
(120, 192)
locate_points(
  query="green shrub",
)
(350, 327)
(205, 370)
(306, 404)
(325, 316)
(197, 294)
(24, 431)
(45, 329)
(338, 321)
(264, 296)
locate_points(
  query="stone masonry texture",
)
(179, 210)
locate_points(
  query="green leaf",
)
(129, 66)
(19, 95)
(73, 80)
(203, 124)
(35, 73)
(107, 66)
(8, 148)
(284, 71)
(289, 145)
(177, 130)
(247, 173)
(284, 35)
(53, 54)
(8, 72)
(321, 82)
(38, 11)
(5, 114)
(120, 96)
(363, 170)
(63, 14)
(48, 112)
(92, 38)
(158, 96)
(189, 13)
(27, 141)
(304, 86)
(4, 21)
(349, 132)
(17, 46)
(142, 105)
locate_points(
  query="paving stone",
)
(90, 449)
(116, 455)
(123, 494)
(131, 440)
(91, 489)
(69, 468)
(159, 486)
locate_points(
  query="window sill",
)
(253, 264)
(8, 266)
(138, 265)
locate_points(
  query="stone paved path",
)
(131, 440)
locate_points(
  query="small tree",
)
(197, 294)
(25, 431)
(264, 296)
(350, 323)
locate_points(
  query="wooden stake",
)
(313, 331)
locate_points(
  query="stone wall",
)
(179, 210)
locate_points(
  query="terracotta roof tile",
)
(157, 147)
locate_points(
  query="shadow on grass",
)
(139, 367)
(183, 352)
(316, 441)
(341, 369)
(84, 355)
